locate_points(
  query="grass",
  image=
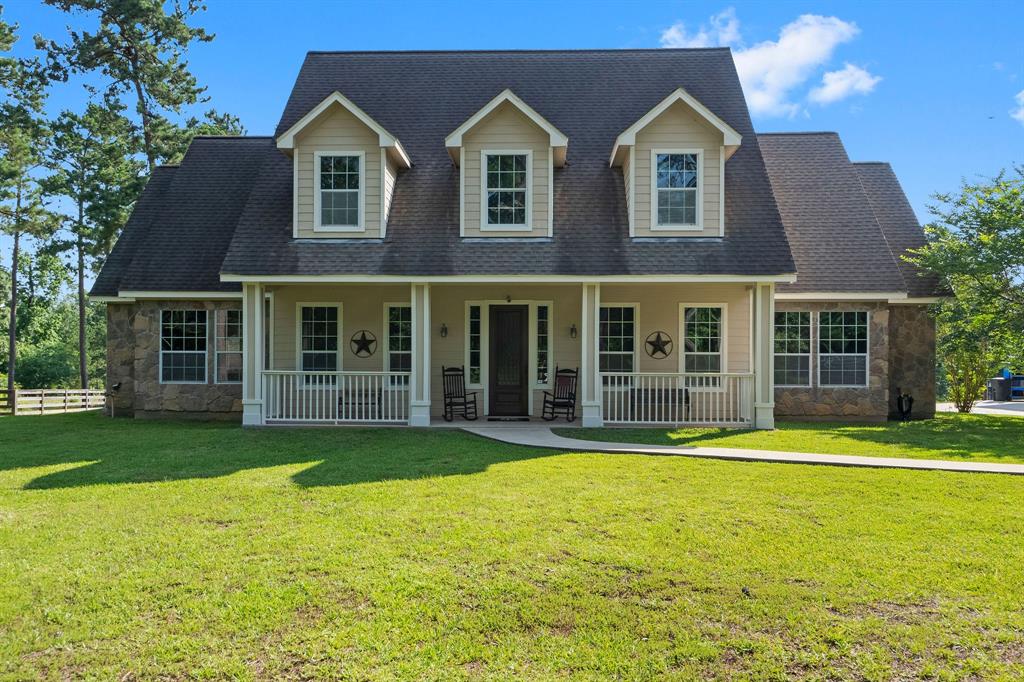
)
(980, 438)
(189, 550)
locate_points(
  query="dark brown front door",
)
(508, 365)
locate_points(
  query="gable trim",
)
(731, 138)
(286, 140)
(556, 137)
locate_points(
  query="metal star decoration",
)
(363, 343)
(659, 345)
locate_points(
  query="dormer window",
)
(339, 197)
(677, 196)
(506, 190)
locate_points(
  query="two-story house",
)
(512, 213)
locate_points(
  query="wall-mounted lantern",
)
(572, 331)
(444, 330)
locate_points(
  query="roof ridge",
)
(871, 163)
(232, 137)
(603, 50)
(798, 132)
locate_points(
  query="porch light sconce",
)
(444, 330)
(572, 331)
(508, 298)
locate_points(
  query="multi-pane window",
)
(506, 179)
(843, 348)
(543, 344)
(475, 342)
(339, 191)
(702, 340)
(677, 178)
(617, 331)
(319, 338)
(183, 346)
(399, 342)
(228, 348)
(793, 349)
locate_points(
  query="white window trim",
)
(811, 327)
(624, 386)
(317, 225)
(867, 348)
(723, 350)
(699, 225)
(269, 340)
(533, 319)
(217, 353)
(483, 344)
(298, 331)
(386, 337)
(484, 225)
(206, 353)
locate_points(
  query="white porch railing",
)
(335, 397)
(649, 398)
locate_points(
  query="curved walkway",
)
(538, 436)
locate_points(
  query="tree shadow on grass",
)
(126, 451)
(961, 437)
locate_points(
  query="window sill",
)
(339, 228)
(677, 228)
(505, 228)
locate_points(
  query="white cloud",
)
(772, 71)
(721, 29)
(1017, 113)
(837, 85)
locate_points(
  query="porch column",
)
(764, 356)
(252, 354)
(590, 382)
(419, 382)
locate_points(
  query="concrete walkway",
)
(535, 435)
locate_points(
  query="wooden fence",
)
(50, 400)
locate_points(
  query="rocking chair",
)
(563, 399)
(456, 399)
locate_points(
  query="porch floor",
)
(537, 435)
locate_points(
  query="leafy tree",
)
(174, 140)
(140, 48)
(23, 134)
(90, 155)
(976, 244)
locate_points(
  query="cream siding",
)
(657, 309)
(338, 130)
(627, 180)
(678, 127)
(390, 176)
(362, 307)
(505, 128)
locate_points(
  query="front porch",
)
(685, 353)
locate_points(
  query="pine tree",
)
(140, 48)
(91, 159)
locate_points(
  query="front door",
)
(508, 360)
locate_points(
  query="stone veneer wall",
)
(855, 404)
(912, 358)
(133, 332)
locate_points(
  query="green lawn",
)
(981, 438)
(166, 550)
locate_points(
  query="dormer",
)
(506, 153)
(673, 167)
(345, 166)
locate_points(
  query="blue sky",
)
(930, 87)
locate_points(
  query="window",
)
(702, 343)
(677, 182)
(543, 344)
(474, 329)
(505, 189)
(793, 349)
(319, 338)
(399, 342)
(338, 200)
(228, 359)
(616, 339)
(183, 346)
(843, 348)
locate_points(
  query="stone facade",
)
(912, 358)
(133, 357)
(854, 404)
